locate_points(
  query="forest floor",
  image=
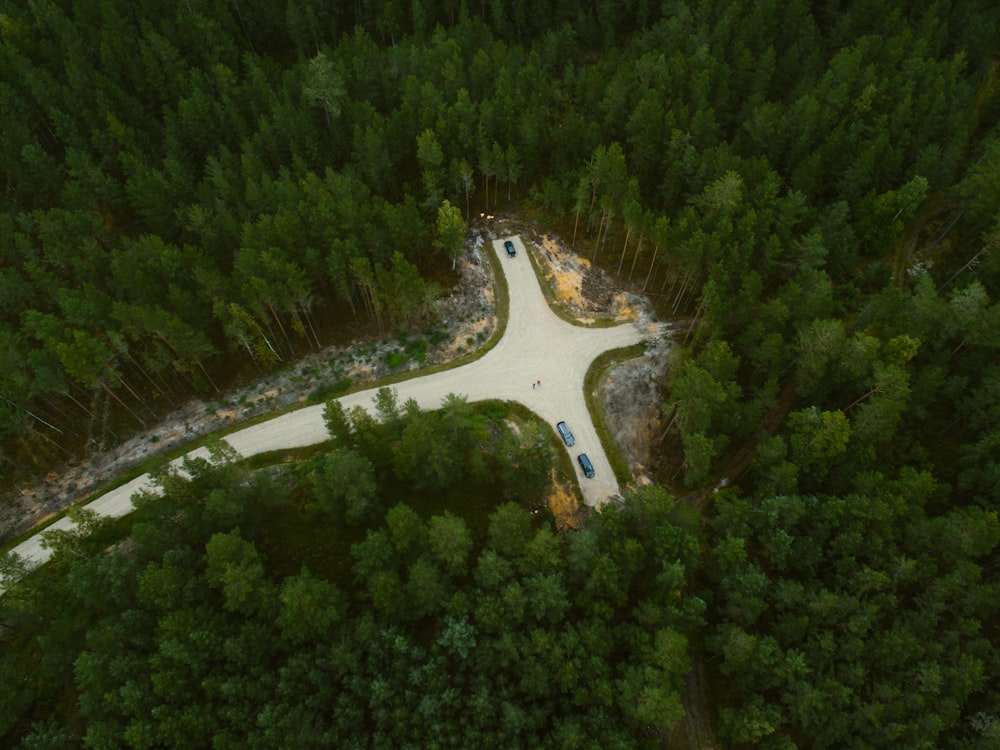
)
(466, 318)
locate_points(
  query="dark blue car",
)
(565, 434)
(509, 246)
(588, 468)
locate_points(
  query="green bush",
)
(324, 392)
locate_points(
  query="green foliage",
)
(816, 438)
(413, 349)
(344, 483)
(234, 567)
(337, 422)
(190, 194)
(451, 230)
(526, 462)
(827, 605)
(706, 409)
(436, 637)
(450, 543)
(325, 392)
(431, 159)
(402, 291)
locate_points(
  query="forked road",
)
(536, 346)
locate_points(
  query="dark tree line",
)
(202, 629)
(839, 375)
(857, 619)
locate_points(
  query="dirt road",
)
(536, 347)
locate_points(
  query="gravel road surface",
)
(536, 346)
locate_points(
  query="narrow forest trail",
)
(741, 460)
(695, 731)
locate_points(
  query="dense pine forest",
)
(196, 188)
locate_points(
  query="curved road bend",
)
(536, 346)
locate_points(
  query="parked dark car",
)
(565, 434)
(509, 246)
(588, 468)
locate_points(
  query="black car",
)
(565, 433)
(509, 246)
(588, 468)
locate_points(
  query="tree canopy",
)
(808, 189)
(203, 628)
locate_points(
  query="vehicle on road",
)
(588, 468)
(564, 433)
(509, 246)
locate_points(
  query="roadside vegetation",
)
(307, 606)
(192, 194)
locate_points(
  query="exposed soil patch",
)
(465, 320)
(585, 291)
(630, 396)
(564, 506)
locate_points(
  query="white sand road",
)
(536, 346)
